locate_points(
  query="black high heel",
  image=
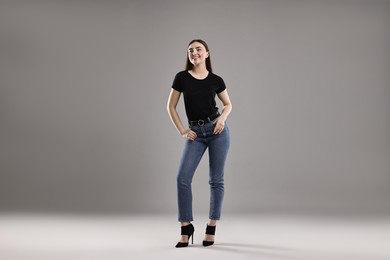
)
(189, 231)
(210, 230)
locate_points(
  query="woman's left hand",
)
(219, 126)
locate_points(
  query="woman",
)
(207, 129)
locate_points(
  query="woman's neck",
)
(200, 71)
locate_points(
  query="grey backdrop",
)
(83, 97)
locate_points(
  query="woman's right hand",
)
(189, 134)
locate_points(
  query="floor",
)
(274, 237)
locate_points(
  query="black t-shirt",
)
(199, 94)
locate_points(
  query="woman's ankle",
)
(212, 222)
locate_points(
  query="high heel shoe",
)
(210, 230)
(189, 231)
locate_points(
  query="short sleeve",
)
(221, 86)
(177, 83)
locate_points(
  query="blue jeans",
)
(218, 146)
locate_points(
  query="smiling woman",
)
(198, 52)
(82, 130)
(207, 129)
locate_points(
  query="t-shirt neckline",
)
(208, 74)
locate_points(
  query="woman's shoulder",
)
(181, 76)
(215, 76)
(181, 73)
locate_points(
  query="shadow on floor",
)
(258, 250)
(276, 252)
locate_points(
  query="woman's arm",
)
(173, 99)
(227, 108)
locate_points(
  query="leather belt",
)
(201, 122)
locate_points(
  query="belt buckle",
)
(200, 122)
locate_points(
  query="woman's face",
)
(197, 53)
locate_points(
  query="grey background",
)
(84, 84)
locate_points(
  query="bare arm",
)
(173, 100)
(227, 108)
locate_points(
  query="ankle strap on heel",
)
(187, 230)
(210, 230)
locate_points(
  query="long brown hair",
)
(189, 65)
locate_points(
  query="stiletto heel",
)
(210, 230)
(189, 231)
